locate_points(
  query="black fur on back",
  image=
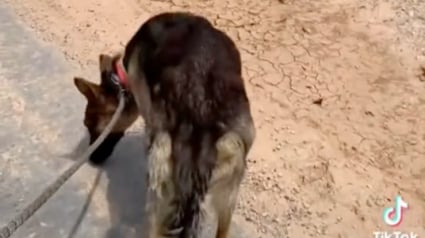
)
(197, 69)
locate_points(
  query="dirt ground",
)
(337, 93)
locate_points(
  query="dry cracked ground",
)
(337, 92)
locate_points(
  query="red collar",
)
(122, 75)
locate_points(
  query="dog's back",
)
(193, 74)
(193, 70)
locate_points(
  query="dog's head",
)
(102, 101)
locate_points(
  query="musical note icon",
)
(393, 216)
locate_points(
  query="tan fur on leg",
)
(227, 177)
(226, 180)
(230, 157)
(160, 184)
(159, 162)
(159, 173)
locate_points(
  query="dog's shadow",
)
(126, 187)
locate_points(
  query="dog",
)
(184, 78)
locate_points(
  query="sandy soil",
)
(336, 90)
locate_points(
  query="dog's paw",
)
(159, 161)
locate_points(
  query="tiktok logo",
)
(393, 216)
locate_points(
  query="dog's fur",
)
(185, 81)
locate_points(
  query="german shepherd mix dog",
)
(184, 78)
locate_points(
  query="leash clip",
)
(116, 80)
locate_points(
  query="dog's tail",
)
(194, 154)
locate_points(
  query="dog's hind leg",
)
(160, 186)
(159, 162)
(226, 179)
(224, 203)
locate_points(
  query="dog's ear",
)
(105, 62)
(88, 89)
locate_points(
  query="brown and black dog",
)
(185, 80)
